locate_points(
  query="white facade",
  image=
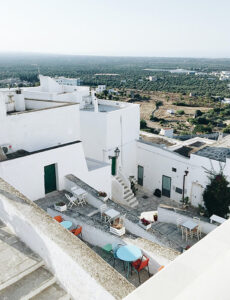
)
(100, 88)
(168, 132)
(68, 81)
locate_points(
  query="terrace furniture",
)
(80, 194)
(115, 247)
(66, 224)
(111, 214)
(128, 254)
(102, 209)
(140, 264)
(217, 219)
(179, 221)
(188, 228)
(72, 200)
(59, 219)
(77, 231)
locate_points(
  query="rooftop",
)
(215, 153)
(22, 153)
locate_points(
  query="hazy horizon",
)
(125, 28)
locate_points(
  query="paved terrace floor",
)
(166, 235)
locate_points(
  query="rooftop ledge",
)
(59, 248)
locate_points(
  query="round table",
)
(128, 253)
(66, 224)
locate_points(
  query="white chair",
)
(179, 221)
(72, 200)
(103, 208)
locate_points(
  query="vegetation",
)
(143, 124)
(217, 195)
(127, 72)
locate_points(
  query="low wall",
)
(169, 215)
(79, 269)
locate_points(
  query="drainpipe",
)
(185, 174)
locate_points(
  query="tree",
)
(198, 113)
(143, 124)
(217, 195)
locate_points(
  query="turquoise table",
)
(66, 224)
(128, 254)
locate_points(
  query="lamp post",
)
(114, 160)
(117, 152)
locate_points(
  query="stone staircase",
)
(23, 274)
(129, 197)
(39, 284)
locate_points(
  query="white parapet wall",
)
(80, 270)
(170, 215)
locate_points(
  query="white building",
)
(109, 131)
(168, 132)
(100, 88)
(43, 142)
(68, 81)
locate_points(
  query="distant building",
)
(171, 111)
(100, 88)
(68, 81)
(152, 78)
(168, 132)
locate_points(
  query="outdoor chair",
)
(115, 247)
(103, 208)
(140, 264)
(77, 231)
(59, 219)
(179, 221)
(72, 200)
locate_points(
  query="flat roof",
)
(215, 153)
(22, 152)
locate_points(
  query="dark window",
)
(174, 169)
(178, 190)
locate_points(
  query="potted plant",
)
(201, 210)
(103, 196)
(185, 202)
(60, 206)
(157, 193)
(155, 217)
(145, 224)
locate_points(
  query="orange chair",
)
(140, 264)
(77, 231)
(160, 268)
(58, 219)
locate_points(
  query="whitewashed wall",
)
(158, 162)
(102, 132)
(27, 173)
(41, 129)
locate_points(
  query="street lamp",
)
(117, 152)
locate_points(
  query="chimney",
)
(19, 101)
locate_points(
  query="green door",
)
(50, 178)
(140, 175)
(113, 167)
(166, 186)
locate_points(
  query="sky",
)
(174, 28)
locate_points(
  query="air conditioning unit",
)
(7, 148)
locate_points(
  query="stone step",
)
(133, 201)
(130, 198)
(53, 292)
(28, 286)
(24, 271)
(134, 204)
(128, 195)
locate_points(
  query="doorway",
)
(50, 178)
(140, 175)
(166, 186)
